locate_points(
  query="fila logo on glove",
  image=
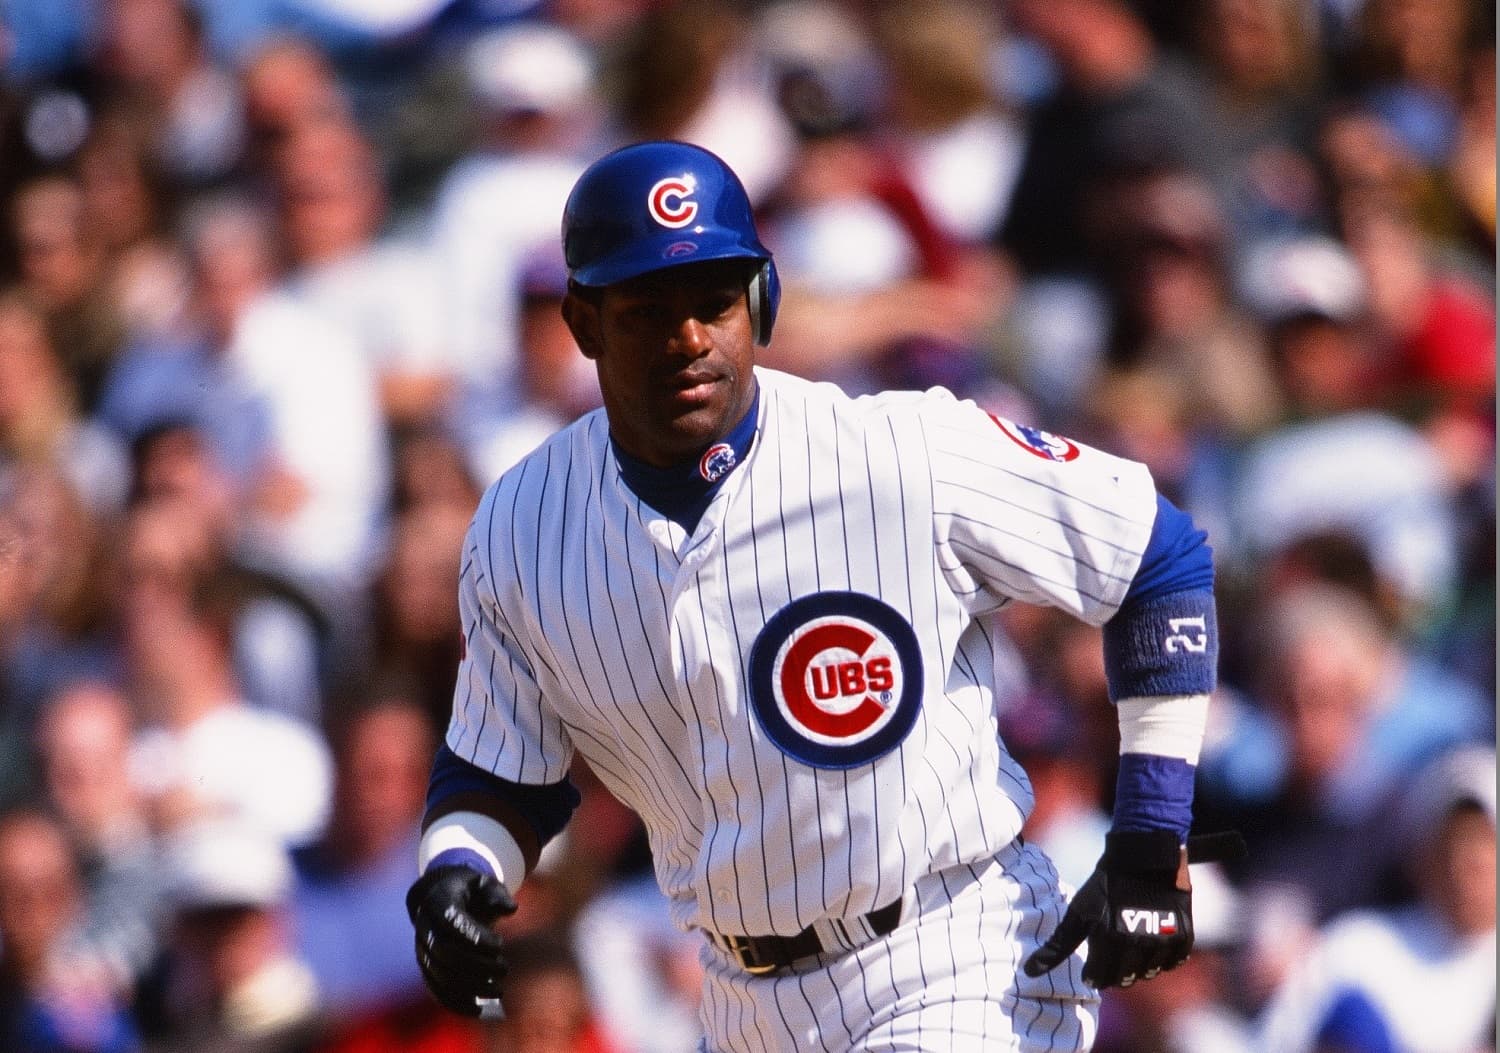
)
(1150, 922)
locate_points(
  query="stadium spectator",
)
(55, 627)
(182, 375)
(653, 1009)
(1262, 58)
(533, 86)
(232, 979)
(45, 1006)
(378, 288)
(877, 294)
(1312, 298)
(124, 199)
(549, 382)
(1122, 105)
(60, 264)
(319, 489)
(161, 77)
(288, 84)
(1471, 168)
(1408, 62)
(549, 1011)
(1439, 321)
(430, 470)
(278, 636)
(959, 145)
(1420, 977)
(203, 750)
(1366, 474)
(1165, 254)
(1350, 718)
(84, 745)
(41, 424)
(417, 630)
(688, 69)
(345, 906)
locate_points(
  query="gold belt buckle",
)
(740, 948)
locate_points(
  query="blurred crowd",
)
(279, 287)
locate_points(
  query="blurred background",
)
(279, 286)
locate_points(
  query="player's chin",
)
(693, 428)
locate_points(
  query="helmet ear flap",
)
(763, 295)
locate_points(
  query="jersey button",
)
(725, 895)
(712, 725)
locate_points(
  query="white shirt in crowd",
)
(324, 428)
(271, 771)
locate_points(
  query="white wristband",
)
(1165, 726)
(486, 837)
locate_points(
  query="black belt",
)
(760, 955)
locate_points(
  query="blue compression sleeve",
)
(1154, 793)
(545, 809)
(1164, 638)
(1177, 557)
(1163, 642)
(462, 857)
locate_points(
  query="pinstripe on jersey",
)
(595, 624)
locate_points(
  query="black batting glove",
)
(1135, 910)
(452, 909)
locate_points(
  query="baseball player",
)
(762, 611)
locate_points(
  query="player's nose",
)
(692, 338)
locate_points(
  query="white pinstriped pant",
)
(947, 980)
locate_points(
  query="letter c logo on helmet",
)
(670, 201)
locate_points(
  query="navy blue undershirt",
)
(546, 808)
(1172, 593)
(683, 492)
(1177, 557)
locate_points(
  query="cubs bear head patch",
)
(1037, 442)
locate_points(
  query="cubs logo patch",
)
(836, 679)
(670, 201)
(716, 462)
(1037, 442)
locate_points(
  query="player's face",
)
(674, 353)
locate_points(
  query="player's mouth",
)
(689, 388)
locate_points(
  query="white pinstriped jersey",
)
(797, 698)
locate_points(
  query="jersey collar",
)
(683, 492)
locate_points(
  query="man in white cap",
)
(234, 981)
(532, 88)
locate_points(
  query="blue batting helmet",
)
(655, 205)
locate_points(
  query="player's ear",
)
(581, 312)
